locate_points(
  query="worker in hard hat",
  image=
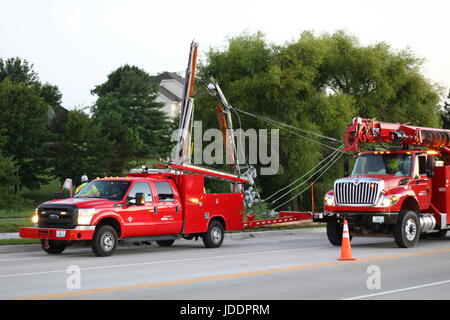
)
(86, 189)
(84, 182)
(394, 167)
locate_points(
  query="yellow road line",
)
(227, 276)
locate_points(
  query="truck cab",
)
(141, 207)
(389, 193)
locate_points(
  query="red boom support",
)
(372, 131)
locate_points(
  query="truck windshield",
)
(112, 190)
(384, 164)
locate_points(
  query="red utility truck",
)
(400, 192)
(145, 206)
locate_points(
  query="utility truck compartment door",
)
(441, 191)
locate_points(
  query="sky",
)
(75, 44)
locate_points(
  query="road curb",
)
(9, 235)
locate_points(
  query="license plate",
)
(60, 233)
(377, 219)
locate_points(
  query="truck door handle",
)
(177, 209)
(155, 209)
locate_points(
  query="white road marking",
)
(400, 290)
(159, 262)
(19, 259)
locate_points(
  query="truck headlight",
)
(329, 200)
(389, 201)
(85, 216)
(35, 217)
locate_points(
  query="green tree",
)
(7, 167)
(27, 106)
(21, 71)
(386, 84)
(8, 178)
(80, 148)
(130, 117)
(25, 127)
(445, 113)
(18, 71)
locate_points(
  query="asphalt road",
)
(294, 264)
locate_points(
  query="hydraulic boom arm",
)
(397, 134)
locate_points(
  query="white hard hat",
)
(84, 178)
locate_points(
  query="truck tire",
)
(105, 240)
(53, 247)
(165, 243)
(334, 232)
(407, 229)
(213, 238)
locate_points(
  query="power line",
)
(310, 184)
(284, 188)
(289, 126)
(311, 176)
(282, 125)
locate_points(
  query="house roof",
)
(168, 76)
(169, 95)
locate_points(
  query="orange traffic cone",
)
(346, 248)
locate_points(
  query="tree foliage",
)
(130, 118)
(80, 148)
(27, 107)
(25, 126)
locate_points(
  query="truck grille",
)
(57, 217)
(365, 193)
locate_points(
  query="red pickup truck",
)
(161, 207)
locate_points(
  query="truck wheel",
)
(105, 241)
(334, 232)
(165, 243)
(214, 236)
(407, 229)
(52, 247)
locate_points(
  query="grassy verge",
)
(6, 242)
(14, 225)
(25, 212)
(31, 199)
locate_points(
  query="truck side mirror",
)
(140, 199)
(346, 167)
(430, 166)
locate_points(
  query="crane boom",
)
(397, 134)
(182, 157)
(183, 147)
